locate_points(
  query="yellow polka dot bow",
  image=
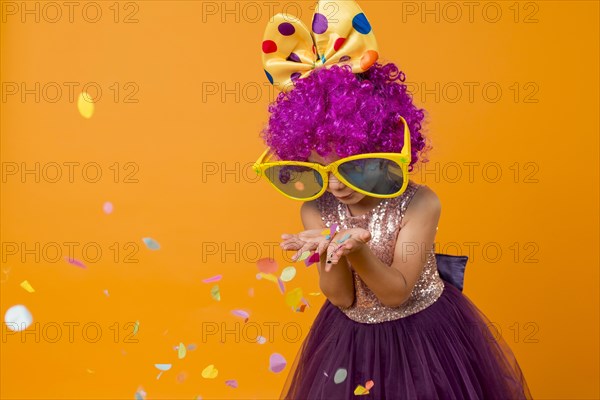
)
(340, 33)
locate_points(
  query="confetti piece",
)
(27, 286)
(251, 292)
(340, 375)
(369, 385)
(269, 277)
(232, 383)
(276, 363)
(325, 231)
(314, 294)
(332, 229)
(107, 207)
(281, 286)
(136, 327)
(215, 293)
(75, 262)
(346, 237)
(106, 292)
(312, 259)
(85, 105)
(163, 367)
(215, 278)
(261, 340)
(293, 297)
(18, 318)
(267, 265)
(151, 243)
(140, 394)
(303, 256)
(288, 274)
(89, 371)
(241, 313)
(360, 390)
(181, 351)
(210, 372)
(181, 377)
(191, 346)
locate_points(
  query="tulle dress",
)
(437, 345)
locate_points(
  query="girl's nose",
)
(334, 183)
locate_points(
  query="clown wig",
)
(333, 109)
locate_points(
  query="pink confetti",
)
(75, 262)
(281, 285)
(241, 313)
(107, 207)
(267, 265)
(232, 383)
(277, 363)
(312, 259)
(215, 278)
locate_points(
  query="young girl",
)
(391, 327)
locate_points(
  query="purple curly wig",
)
(335, 109)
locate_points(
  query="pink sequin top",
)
(383, 222)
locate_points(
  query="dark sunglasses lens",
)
(373, 175)
(295, 180)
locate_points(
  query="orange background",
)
(191, 187)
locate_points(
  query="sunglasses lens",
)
(295, 180)
(374, 175)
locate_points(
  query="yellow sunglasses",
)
(381, 175)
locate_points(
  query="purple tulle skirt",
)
(447, 351)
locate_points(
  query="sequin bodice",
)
(384, 223)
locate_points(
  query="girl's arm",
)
(337, 284)
(393, 284)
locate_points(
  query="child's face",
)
(335, 187)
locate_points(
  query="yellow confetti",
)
(25, 285)
(90, 371)
(215, 293)
(210, 372)
(85, 105)
(303, 256)
(136, 327)
(314, 294)
(269, 277)
(293, 298)
(360, 390)
(181, 350)
(288, 274)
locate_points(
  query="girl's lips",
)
(345, 197)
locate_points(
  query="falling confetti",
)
(162, 368)
(75, 262)
(107, 207)
(303, 256)
(312, 259)
(215, 278)
(267, 265)
(346, 237)
(215, 293)
(181, 377)
(151, 243)
(232, 383)
(276, 363)
(106, 292)
(281, 286)
(362, 390)
(261, 340)
(85, 105)
(288, 274)
(241, 313)
(181, 351)
(251, 292)
(191, 347)
(136, 327)
(89, 371)
(18, 318)
(340, 375)
(269, 277)
(210, 372)
(140, 394)
(27, 286)
(314, 294)
(293, 298)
